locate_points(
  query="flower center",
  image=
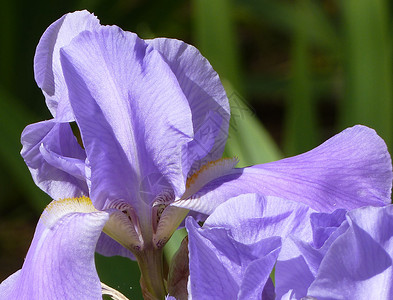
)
(173, 215)
(166, 215)
(123, 225)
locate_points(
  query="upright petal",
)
(133, 116)
(60, 260)
(55, 159)
(350, 170)
(206, 97)
(47, 67)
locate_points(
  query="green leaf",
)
(173, 244)
(215, 38)
(284, 15)
(247, 138)
(120, 273)
(300, 123)
(367, 66)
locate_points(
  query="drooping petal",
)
(206, 97)
(60, 260)
(234, 252)
(7, 287)
(358, 265)
(350, 170)
(133, 116)
(55, 159)
(47, 67)
(266, 216)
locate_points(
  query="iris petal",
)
(60, 260)
(55, 159)
(47, 67)
(205, 95)
(354, 262)
(350, 170)
(239, 244)
(133, 116)
(359, 263)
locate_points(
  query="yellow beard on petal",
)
(59, 208)
(207, 173)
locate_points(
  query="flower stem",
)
(150, 262)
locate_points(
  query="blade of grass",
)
(367, 66)
(283, 15)
(214, 34)
(247, 138)
(300, 123)
(174, 244)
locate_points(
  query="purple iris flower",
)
(153, 118)
(350, 257)
(340, 255)
(233, 254)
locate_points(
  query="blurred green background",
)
(296, 72)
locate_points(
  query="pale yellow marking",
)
(207, 173)
(59, 208)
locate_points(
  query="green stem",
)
(150, 262)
